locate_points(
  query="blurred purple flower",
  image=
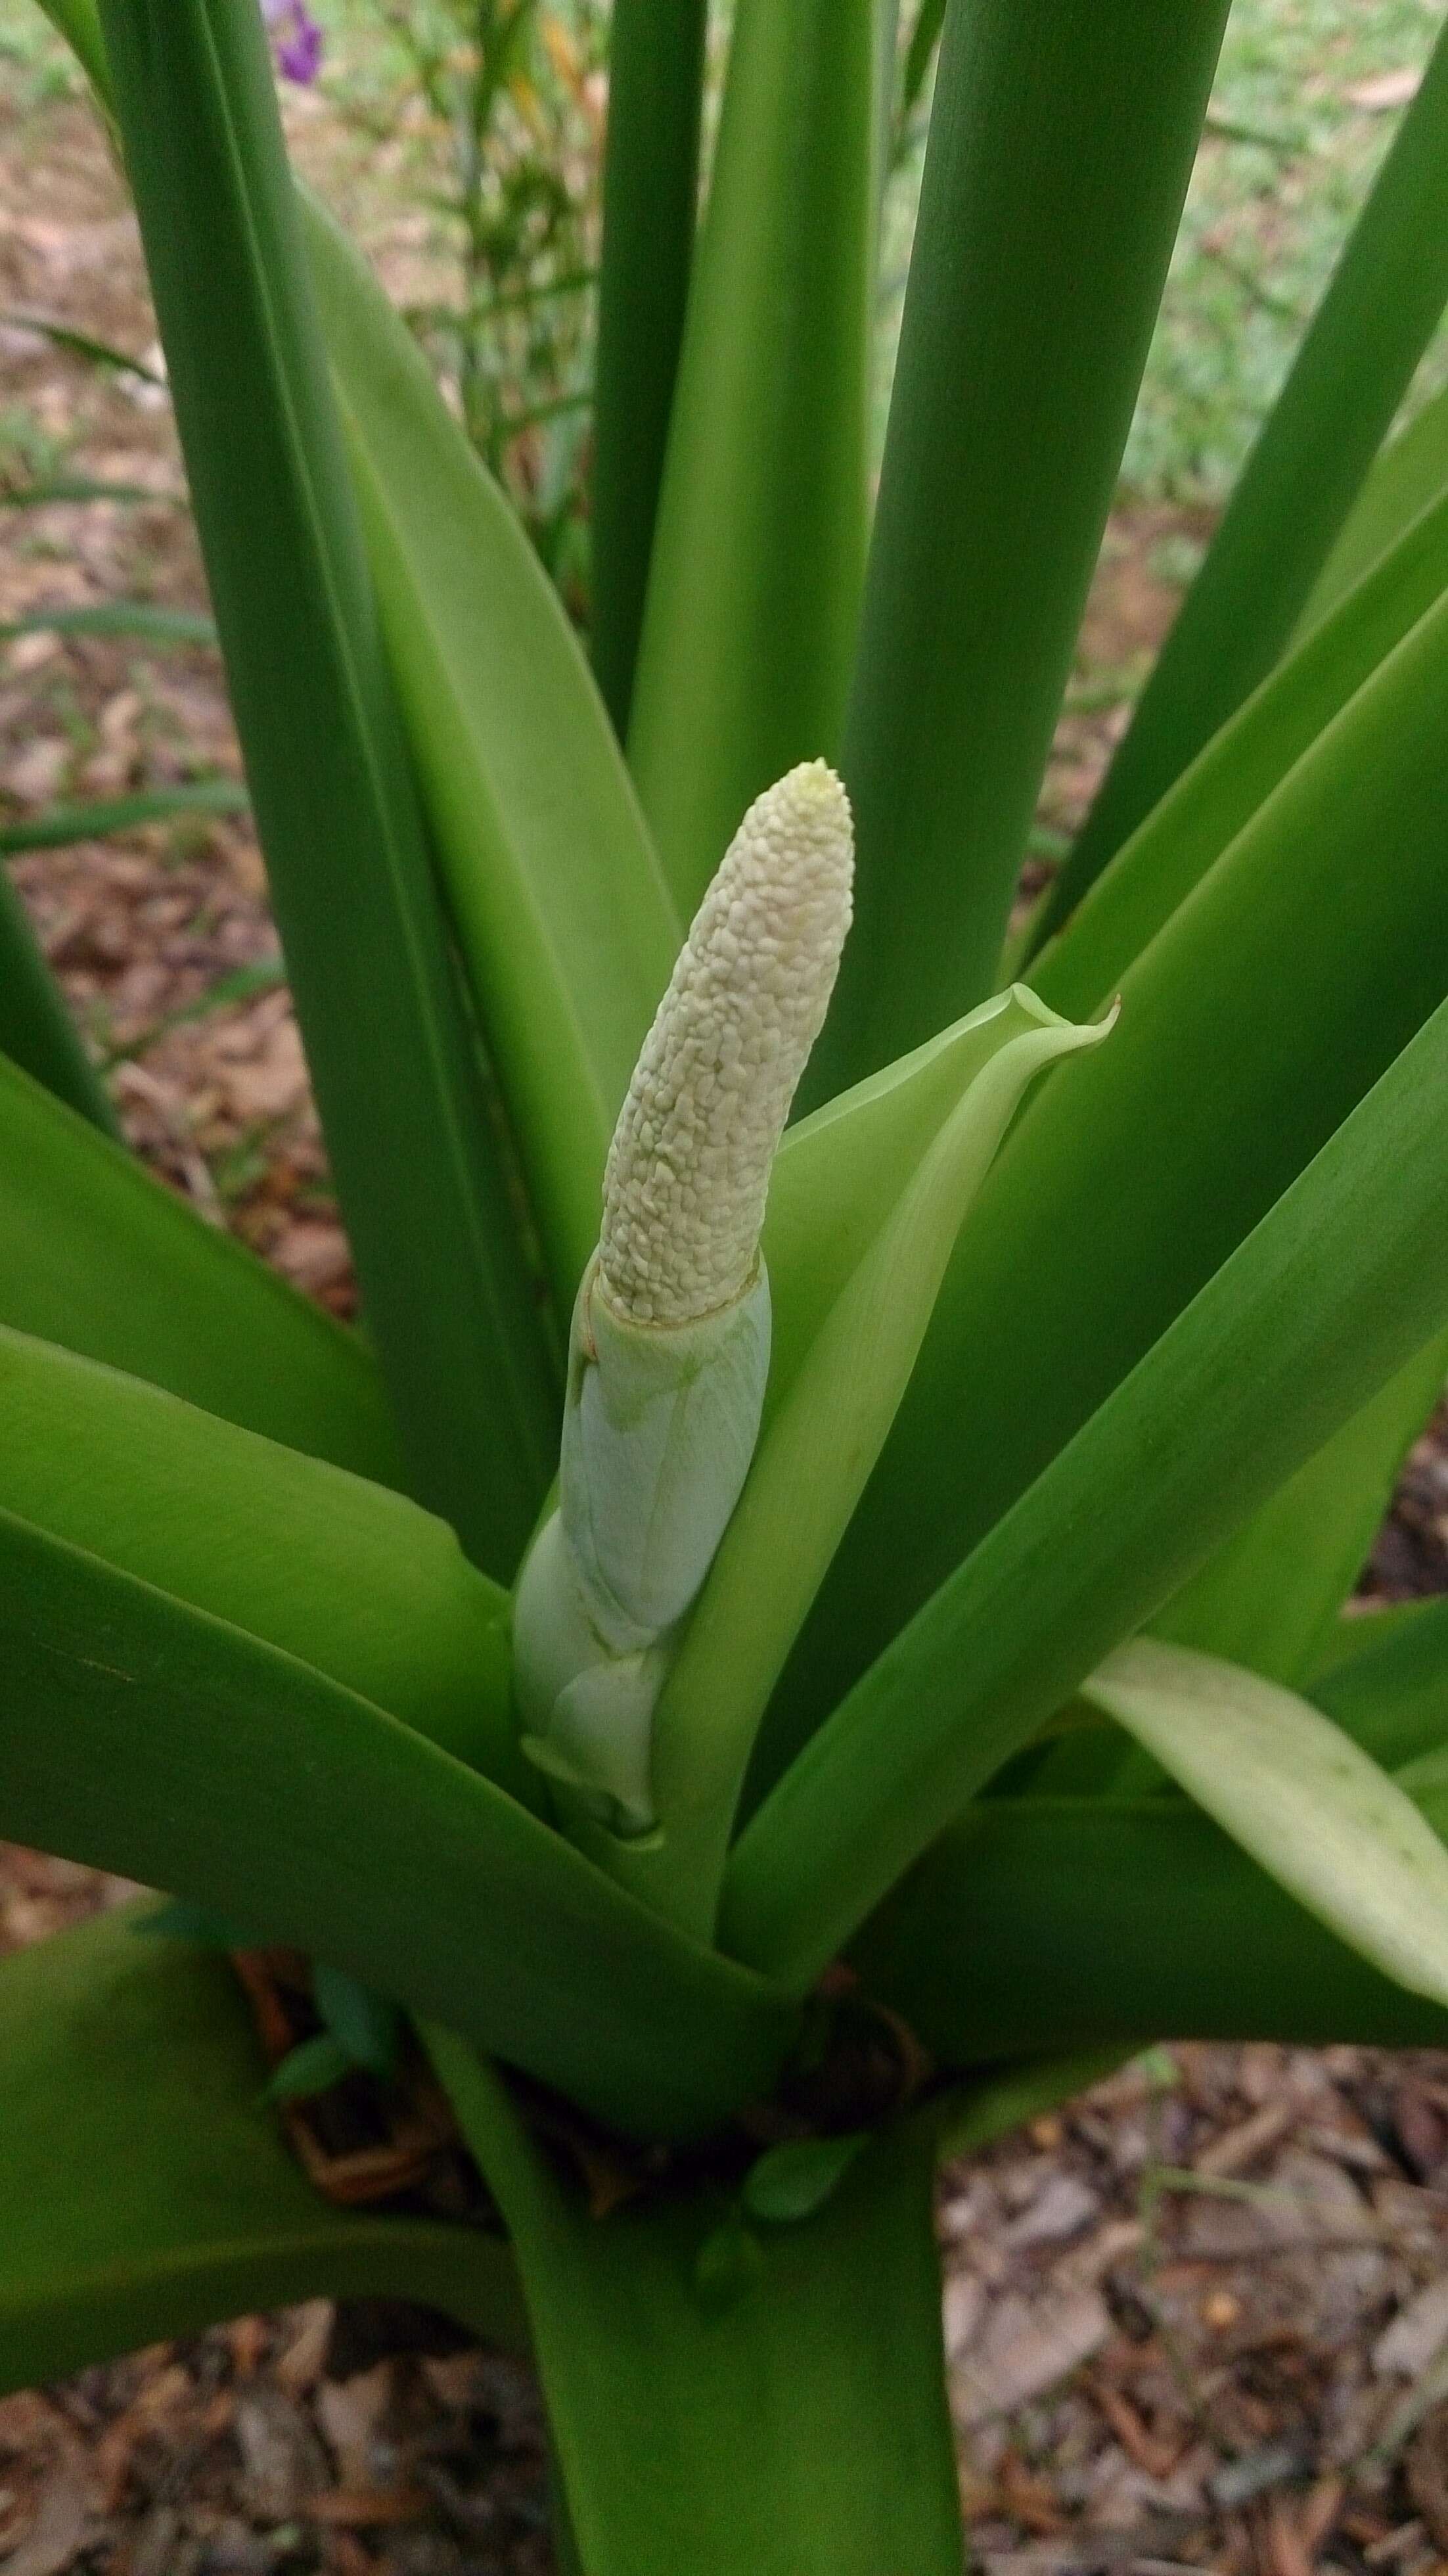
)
(296, 38)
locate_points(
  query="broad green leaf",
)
(60, 825)
(1252, 1024)
(798, 2428)
(1331, 1293)
(566, 929)
(1230, 780)
(148, 2193)
(340, 1572)
(1351, 372)
(1409, 475)
(36, 1029)
(425, 1185)
(865, 1204)
(1048, 209)
(1066, 1923)
(143, 1736)
(1389, 1690)
(1270, 1597)
(650, 200)
(754, 582)
(1296, 1792)
(96, 1255)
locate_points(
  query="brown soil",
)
(1198, 2318)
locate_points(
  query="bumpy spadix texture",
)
(689, 1168)
(669, 1351)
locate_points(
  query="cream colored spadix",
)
(669, 1351)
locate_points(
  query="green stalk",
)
(758, 556)
(428, 1198)
(650, 202)
(1351, 372)
(1061, 142)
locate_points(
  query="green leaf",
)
(564, 923)
(96, 1255)
(690, 2428)
(1251, 1025)
(1270, 1597)
(1350, 374)
(1389, 1689)
(1231, 779)
(365, 2025)
(1295, 1792)
(431, 1209)
(312, 2067)
(143, 617)
(1048, 209)
(78, 21)
(1065, 1923)
(793, 2181)
(36, 1029)
(331, 1568)
(47, 489)
(758, 554)
(1330, 1294)
(924, 37)
(1406, 478)
(60, 825)
(141, 1735)
(865, 1204)
(650, 196)
(81, 344)
(148, 2192)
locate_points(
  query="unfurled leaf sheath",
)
(1047, 215)
(1351, 372)
(429, 1203)
(650, 205)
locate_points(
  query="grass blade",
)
(1352, 371)
(344, 1834)
(1331, 1293)
(1047, 214)
(36, 1029)
(61, 825)
(758, 553)
(429, 1207)
(117, 617)
(650, 202)
(96, 1255)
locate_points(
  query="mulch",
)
(1198, 2318)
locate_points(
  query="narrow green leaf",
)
(145, 1737)
(866, 1201)
(430, 1206)
(1351, 372)
(1330, 1294)
(1064, 1923)
(47, 489)
(36, 1029)
(1315, 1810)
(333, 1569)
(1047, 214)
(565, 926)
(758, 554)
(1270, 1597)
(96, 1255)
(1390, 1692)
(924, 37)
(148, 2192)
(650, 202)
(1406, 478)
(78, 21)
(1251, 1025)
(82, 344)
(790, 2182)
(312, 2067)
(690, 2430)
(1230, 780)
(141, 617)
(60, 825)
(366, 2026)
